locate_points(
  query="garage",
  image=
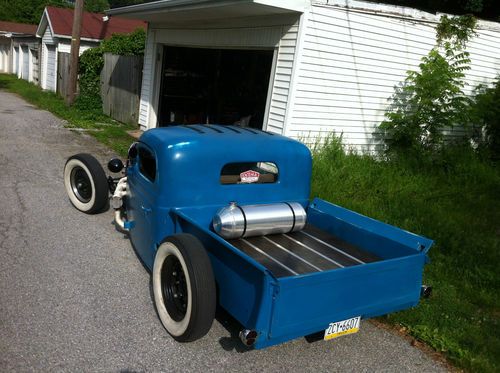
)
(209, 85)
(217, 62)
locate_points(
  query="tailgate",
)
(307, 304)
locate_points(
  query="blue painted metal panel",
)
(307, 304)
(382, 239)
(245, 287)
(190, 164)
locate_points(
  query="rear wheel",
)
(86, 183)
(184, 287)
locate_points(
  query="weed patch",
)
(456, 202)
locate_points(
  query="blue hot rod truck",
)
(221, 215)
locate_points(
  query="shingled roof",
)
(94, 26)
(17, 28)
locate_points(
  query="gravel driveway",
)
(74, 296)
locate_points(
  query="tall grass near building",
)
(453, 199)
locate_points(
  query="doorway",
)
(223, 86)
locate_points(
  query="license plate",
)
(340, 328)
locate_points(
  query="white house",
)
(301, 68)
(55, 30)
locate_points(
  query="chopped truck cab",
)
(221, 215)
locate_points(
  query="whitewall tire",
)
(86, 183)
(184, 287)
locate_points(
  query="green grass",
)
(455, 202)
(102, 127)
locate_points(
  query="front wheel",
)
(86, 183)
(184, 287)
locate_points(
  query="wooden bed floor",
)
(307, 251)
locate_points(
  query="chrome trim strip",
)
(293, 254)
(333, 247)
(314, 251)
(269, 256)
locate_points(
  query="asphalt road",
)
(74, 296)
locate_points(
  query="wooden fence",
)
(62, 73)
(121, 79)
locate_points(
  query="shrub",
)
(92, 61)
(432, 99)
(485, 113)
(126, 44)
(89, 68)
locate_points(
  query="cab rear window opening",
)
(261, 172)
(147, 163)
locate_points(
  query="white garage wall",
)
(351, 60)
(2, 58)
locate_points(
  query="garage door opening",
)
(210, 86)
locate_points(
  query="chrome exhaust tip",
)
(248, 337)
(425, 291)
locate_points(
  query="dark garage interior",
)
(208, 86)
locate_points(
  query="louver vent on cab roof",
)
(218, 128)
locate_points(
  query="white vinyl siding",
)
(350, 63)
(3, 58)
(64, 46)
(146, 86)
(48, 59)
(281, 80)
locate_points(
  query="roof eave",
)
(140, 10)
(44, 22)
(60, 36)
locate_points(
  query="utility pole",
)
(75, 48)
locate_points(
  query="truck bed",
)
(306, 251)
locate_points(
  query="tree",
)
(431, 99)
(26, 11)
(30, 11)
(96, 5)
(120, 3)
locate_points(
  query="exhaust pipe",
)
(248, 337)
(116, 202)
(425, 291)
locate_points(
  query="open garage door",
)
(222, 86)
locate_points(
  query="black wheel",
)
(86, 183)
(184, 287)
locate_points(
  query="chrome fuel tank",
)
(236, 221)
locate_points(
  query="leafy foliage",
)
(92, 61)
(96, 5)
(432, 99)
(120, 3)
(30, 11)
(89, 69)
(486, 115)
(27, 11)
(132, 44)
